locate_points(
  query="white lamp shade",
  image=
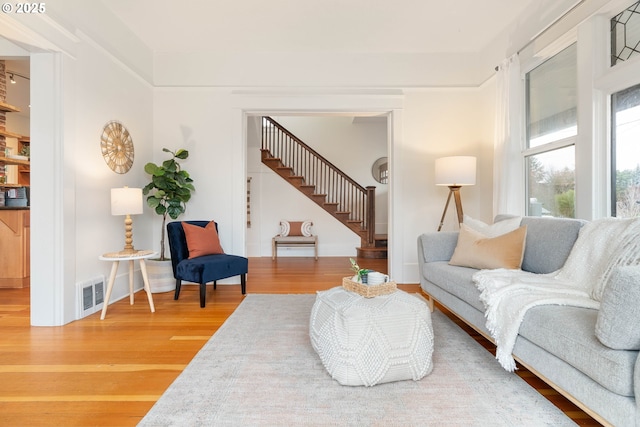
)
(126, 201)
(456, 170)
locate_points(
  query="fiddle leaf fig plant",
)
(169, 190)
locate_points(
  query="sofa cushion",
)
(455, 280)
(568, 333)
(549, 242)
(208, 268)
(619, 314)
(477, 251)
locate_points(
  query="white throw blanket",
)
(601, 246)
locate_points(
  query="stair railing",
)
(321, 173)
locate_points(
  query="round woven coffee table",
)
(369, 341)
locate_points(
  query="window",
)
(551, 183)
(625, 34)
(551, 129)
(625, 153)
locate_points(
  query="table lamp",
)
(127, 201)
(455, 172)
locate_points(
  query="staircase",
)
(325, 184)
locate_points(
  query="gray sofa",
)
(557, 343)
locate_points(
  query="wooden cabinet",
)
(11, 162)
(24, 170)
(15, 234)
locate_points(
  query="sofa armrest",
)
(436, 246)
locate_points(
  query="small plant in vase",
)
(360, 273)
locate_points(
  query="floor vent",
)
(90, 297)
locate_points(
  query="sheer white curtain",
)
(508, 164)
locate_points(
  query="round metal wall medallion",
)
(117, 147)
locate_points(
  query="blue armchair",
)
(202, 269)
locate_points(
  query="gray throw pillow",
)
(618, 324)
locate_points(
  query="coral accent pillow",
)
(202, 240)
(475, 250)
(295, 228)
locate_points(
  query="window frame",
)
(612, 79)
(597, 80)
(526, 151)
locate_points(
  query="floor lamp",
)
(455, 172)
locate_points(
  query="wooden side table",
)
(116, 257)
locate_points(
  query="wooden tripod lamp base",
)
(455, 190)
(455, 172)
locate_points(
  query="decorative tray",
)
(369, 291)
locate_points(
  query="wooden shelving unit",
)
(15, 228)
(8, 108)
(14, 162)
(5, 186)
(24, 170)
(10, 134)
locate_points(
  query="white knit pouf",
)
(369, 341)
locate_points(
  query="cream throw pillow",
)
(475, 250)
(494, 230)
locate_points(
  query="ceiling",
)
(381, 26)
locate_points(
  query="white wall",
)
(77, 86)
(438, 123)
(105, 91)
(427, 124)
(97, 89)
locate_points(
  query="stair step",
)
(296, 180)
(331, 207)
(356, 226)
(285, 171)
(372, 253)
(265, 154)
(342, 216)
(319, 198)
(308, 189)
(380, 240)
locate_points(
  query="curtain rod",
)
(545, 29)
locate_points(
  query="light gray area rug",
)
(259, 369)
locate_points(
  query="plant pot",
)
(160, 275)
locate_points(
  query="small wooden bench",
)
(293, 241)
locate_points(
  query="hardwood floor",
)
(109, 373)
